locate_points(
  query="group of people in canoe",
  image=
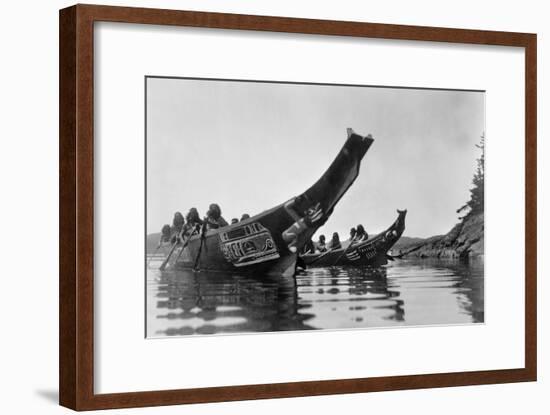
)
(183, 227)
(251, 247)
(356, 235)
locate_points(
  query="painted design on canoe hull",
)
(247, 245)
(372, 252)
(267, 243)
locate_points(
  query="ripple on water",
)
(406, 292)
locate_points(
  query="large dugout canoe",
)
(268, 243)
(372, 252)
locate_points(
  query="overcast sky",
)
(250, 146)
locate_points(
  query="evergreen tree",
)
(476, 203)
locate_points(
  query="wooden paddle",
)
(163, 265)
(329, 251)
(320, 256)
(203, 233)
(344, 253)
(416, 248)
(185, 245)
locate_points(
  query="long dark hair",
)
(178, 220)
(362, 233)
(335, 242)
(214, 211)
(193, 215)
(166, 232)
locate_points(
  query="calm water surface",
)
(405, 292)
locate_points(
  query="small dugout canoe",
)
(372, 252)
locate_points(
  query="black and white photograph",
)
(264, 207)
(281, 206)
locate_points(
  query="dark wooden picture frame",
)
(76, 182)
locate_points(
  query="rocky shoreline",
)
(464, 241)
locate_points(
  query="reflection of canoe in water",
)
(268, 242)
(372, 252)
(188, 302)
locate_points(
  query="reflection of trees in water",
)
(204, 303)
(470, 288)
(466, 281)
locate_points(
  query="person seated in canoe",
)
(351, 240)
(177, 226)
(214, 218)
(245, 216)
(361, 234)
(194, 222)
(165, 234)
(321, 244)
(335, 242)
(309, 247)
